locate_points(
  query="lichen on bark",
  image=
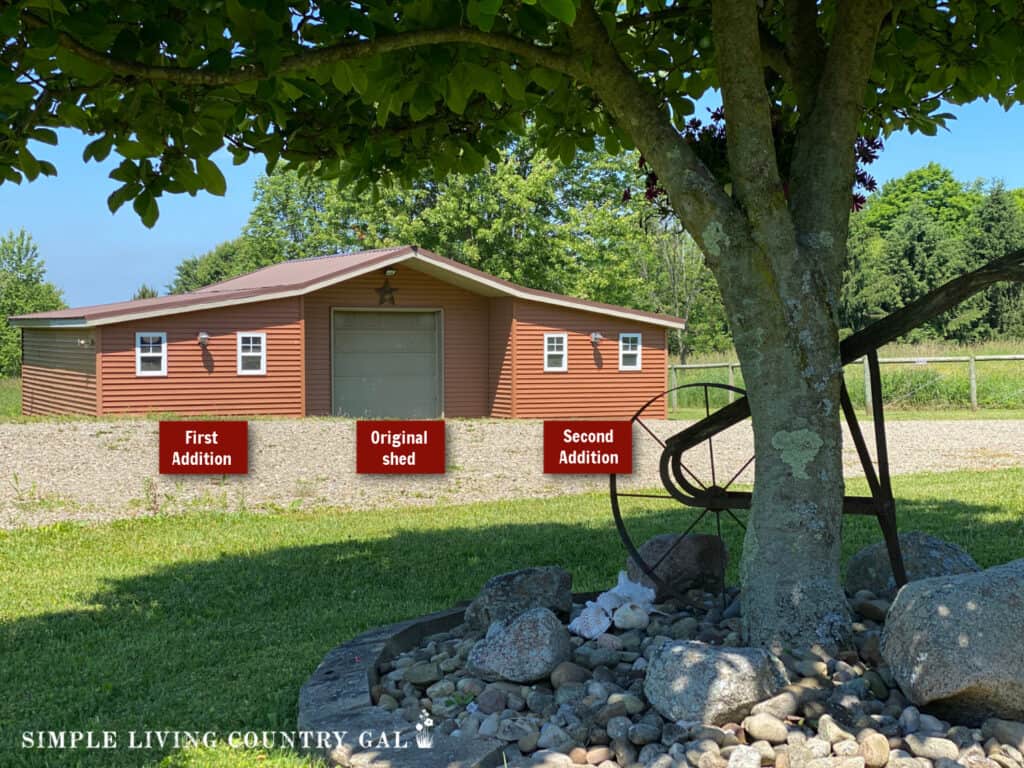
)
(798, 449)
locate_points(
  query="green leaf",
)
(49, 5)
(210, 175)
(515, 84)
(45, 135)
(458, 93)
(28, 163)
(545, 78)
(422, 104)
(145, 206)
(122, 195)
(342, 77)
(563, 10)
(482, 13)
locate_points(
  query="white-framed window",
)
(630, 350)
(556, 352)
(151, 353)
(252, 353)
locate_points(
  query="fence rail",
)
(675, 373)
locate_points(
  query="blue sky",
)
(97, 257)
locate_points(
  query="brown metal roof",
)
(292, 278)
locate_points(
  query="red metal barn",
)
(396, 332)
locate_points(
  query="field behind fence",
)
(923, 379)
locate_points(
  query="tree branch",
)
(750, 142)
(697, 197)
(823, 162)
(312, 58)
(805, 49)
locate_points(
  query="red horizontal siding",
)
(210, 383)
(58, 372)
(500, 357)
(593, 386)
(464, 335)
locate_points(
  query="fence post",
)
(972, 376)
(732, 383)
(673, 380)
(867, 386)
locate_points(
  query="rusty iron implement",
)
(716, 498)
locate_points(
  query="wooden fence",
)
(676, 372)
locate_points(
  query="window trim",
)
(139, 355)
(262, 370)
(565, 353)
(639, 351)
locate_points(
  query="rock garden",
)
(632, 677)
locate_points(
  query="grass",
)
(912, 388)
(10, 398)
(211, 622)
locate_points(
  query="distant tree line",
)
(526, 218)
(922, 230)
(23, 289)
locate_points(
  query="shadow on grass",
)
(224, 644)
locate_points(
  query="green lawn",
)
(213, 621)
(10, 398)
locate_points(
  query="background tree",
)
(393, 89)
(23, 289)
(922, 230)
(145, 291)
(526, 218)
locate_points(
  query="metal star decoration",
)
(386, 293)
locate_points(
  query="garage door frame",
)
(439, 311)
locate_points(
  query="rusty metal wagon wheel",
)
(692, 476)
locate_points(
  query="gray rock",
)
(766, 727)
(831, 731)
(836, 762)
(1005, 732)
(931, 747)
(516, 728)
(630, 616)
(960, 624)
(744, 757)
(618, 728)
(699, 558)
(924, 556)
(554, 738)
(422, 673)
(509, 594)
(693, 681)
(491, 700)
(522, 649)
(567, 672)
(644, 733)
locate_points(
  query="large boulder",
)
(924, 556)
(951, 643)
(522, 649)
(698, 559)
(708, 684)
(509, 594)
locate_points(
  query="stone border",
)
(336, 697)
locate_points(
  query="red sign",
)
(204, 447)
(400, 447)
(588, 447)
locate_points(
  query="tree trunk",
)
(788, 344)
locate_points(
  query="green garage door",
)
(387, 365)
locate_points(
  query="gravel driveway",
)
(103, 470)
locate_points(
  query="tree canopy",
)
(23, 289)
(391, 90)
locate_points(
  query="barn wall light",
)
(203, 338)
